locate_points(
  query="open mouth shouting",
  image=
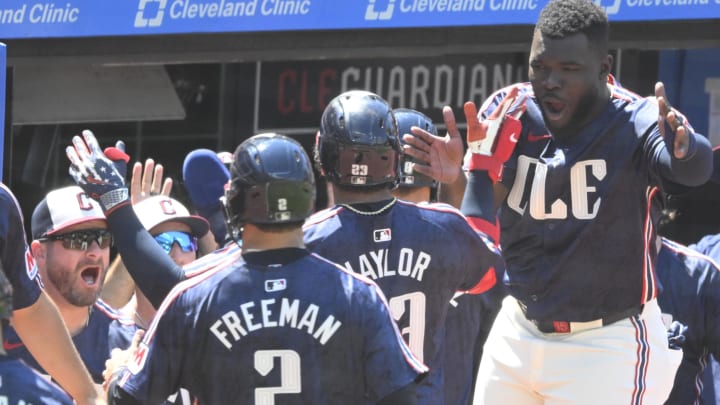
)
(91, 276)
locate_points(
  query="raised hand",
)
(493, 139)
(673, 126)
(148, 181)
(482, 135)
(441, 156)
(95, 173)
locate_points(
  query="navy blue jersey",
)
(419, 255)
(304, 332)
(710, 246)
(463, 345)
(567, 196)
(17, 261)
(107, 329)
(468, 322)
(20, 384)
(690, 295)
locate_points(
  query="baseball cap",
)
(158, 209)
(205, 176)
(63, 208)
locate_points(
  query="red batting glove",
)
(493, 140)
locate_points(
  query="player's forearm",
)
(478, 198)
(57, 355)
(119, 286)
(693, 170)
(154, 272)
(452, 193)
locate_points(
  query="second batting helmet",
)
(358, 143)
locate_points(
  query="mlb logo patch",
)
(382, 235)
(358, 180)
(275, 285)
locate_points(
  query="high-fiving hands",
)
(95, 173)
(148, 181)
(491, 140)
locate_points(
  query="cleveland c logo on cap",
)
(84, 202)
(167, 207)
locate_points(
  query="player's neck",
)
(344, 196)
(256, 240)
(413, 194)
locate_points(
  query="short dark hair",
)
(563, 18)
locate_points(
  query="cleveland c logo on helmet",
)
(358, 143)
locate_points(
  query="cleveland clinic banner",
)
(83, 18)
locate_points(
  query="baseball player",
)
(690, 296)
(710, 245)
(469, 316)
(205, 174)
(414, 187)
(169, 222)
(34, 316)
(176, 231)
(277, 323)
(71, 246)
(419, 254)
(20, 384)
(575, 175)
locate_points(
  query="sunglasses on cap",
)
(166, 240)
(81, 240)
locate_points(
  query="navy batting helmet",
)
(358, 141)
(271, 182)
(407, 118)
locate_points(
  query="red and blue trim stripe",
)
(643, 359)
(649, 282)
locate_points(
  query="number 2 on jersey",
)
(415, 330)
(290, 379)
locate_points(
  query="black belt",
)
(568, 327)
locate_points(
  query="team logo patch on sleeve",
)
(382, 235)
(138, 360)
(30, 266)
(275, 285)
